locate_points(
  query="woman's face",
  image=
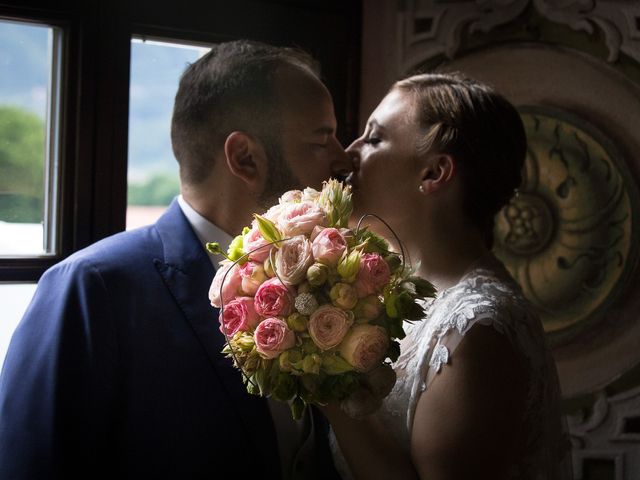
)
(387, 174)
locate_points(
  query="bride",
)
(477, 394)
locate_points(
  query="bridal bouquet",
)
(312, 310)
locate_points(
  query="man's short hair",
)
(231, 88)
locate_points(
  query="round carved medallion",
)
(567, 235)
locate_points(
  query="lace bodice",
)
(488, 296)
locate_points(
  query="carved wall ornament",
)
(608, 436)
(566, 237)
(429, 28)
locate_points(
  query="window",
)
(152, 169)
(29, 55)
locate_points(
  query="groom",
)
(115, 370)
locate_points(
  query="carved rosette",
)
(567, 235)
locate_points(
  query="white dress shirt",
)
(290, 433)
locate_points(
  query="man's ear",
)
(438, 171)
(245, 158)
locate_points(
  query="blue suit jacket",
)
(115, 370)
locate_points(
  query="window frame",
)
(94, 90)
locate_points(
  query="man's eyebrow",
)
(323, 131)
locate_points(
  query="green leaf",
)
(298, 406)
(333, 364)
(373, 243)
(424, 288)
(394, 351)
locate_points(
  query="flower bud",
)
(343, 296)
(311, 363)
(297, 322)
(243, 342)
(235, 250)
(349, 265)
(288, 358)
(335, 364)
(367, 308)
(309, 346)
(268, 268)
(317, 274)
(268, 229)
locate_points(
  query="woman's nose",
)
(354, 147)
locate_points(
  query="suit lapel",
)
(187, 271)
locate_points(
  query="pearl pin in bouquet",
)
(312, 310)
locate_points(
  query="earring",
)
(421, 188)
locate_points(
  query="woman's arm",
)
(369, 450)
(469, 422)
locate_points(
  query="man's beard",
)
(280, 178)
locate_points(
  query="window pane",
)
(153, 171)
(29, 55)
(14, 299)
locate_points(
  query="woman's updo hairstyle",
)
(480, 129)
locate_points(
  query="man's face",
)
(309, 146)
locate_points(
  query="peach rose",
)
(373, 275)
(365, 346)
(238, 315)
(328, 325)
(253, 276)
(328, 246)
(272, 337)
(232, 283)
(256, 245)
(300, 218)
(273, 299)
(293, 259)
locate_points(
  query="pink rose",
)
(300, 218)
(273, 299)
(365, 346)
(373, 275)
(272, 337)
(328, 246)
(292, 196)
(328, 325)
(238, 315)
(292, 260)
(274, 213)
(253, 276)
(255, 243)
(232, 283)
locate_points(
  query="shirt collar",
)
(205, 230)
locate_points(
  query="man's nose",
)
(342, 162)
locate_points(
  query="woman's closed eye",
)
(371, 140)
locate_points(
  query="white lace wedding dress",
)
(486, 295)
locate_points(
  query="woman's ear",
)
(245, 158)
(440, 169)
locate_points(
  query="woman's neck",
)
(445, 252)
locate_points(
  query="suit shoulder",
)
(121, 251)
